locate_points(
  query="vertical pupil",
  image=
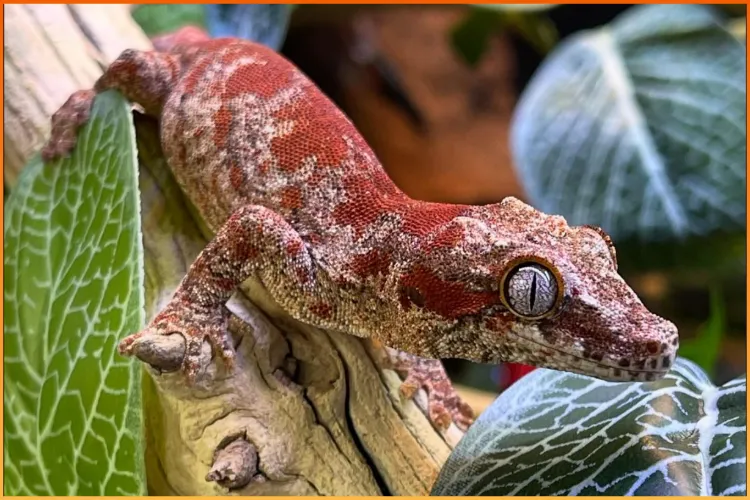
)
(532, 298)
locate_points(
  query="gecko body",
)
(299, 201)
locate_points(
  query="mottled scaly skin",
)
(298, 200)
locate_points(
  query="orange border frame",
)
(2, 170)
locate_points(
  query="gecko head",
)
(522, 286)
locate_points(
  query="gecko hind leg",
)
(254, 242)
(145, 78)
(444, 405)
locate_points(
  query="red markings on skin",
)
(262, 80)
(222, 125)
(373, 263)
(448, 238)
(500, 323)
(237, 176)
(422, 218)
(448, 299)
(191, 80)
(363, 205)
(291, 198)
(295, 247)
(380, 180)
(316, 132)
(322, 310)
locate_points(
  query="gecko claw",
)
(174, 341)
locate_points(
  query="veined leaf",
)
(639, 127)
(73, 269)
(556, 433)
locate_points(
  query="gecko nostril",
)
(652, 346)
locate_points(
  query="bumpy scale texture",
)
(299, 201)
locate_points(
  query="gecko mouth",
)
(646, 370)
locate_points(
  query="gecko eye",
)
(531, 290)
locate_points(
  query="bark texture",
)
(306, 411)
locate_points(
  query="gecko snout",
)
(652, 355)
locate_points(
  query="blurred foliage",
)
(705, 348)
(156, 19)
(720, 254)
(639, 127)
(516, 7)
(738, 28)
(471, 35)
(266, 24)
(263, 23)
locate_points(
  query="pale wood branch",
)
(50, 52)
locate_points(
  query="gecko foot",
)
(444, 405)
(195, 325)
(65, 124)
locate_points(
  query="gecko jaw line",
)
(596, 363)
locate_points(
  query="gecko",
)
(297, 200)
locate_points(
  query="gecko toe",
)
(443, 403)
(463, 415)
(65, 123)
(440, 416)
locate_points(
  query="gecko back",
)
(245, 122)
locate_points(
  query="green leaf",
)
(537, 29)
(557, 433)
(639, 127)
(704, 349)
(471, 36)
(719, 253)
(73, 288)
(157, 19)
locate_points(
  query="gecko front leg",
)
(255, 241)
